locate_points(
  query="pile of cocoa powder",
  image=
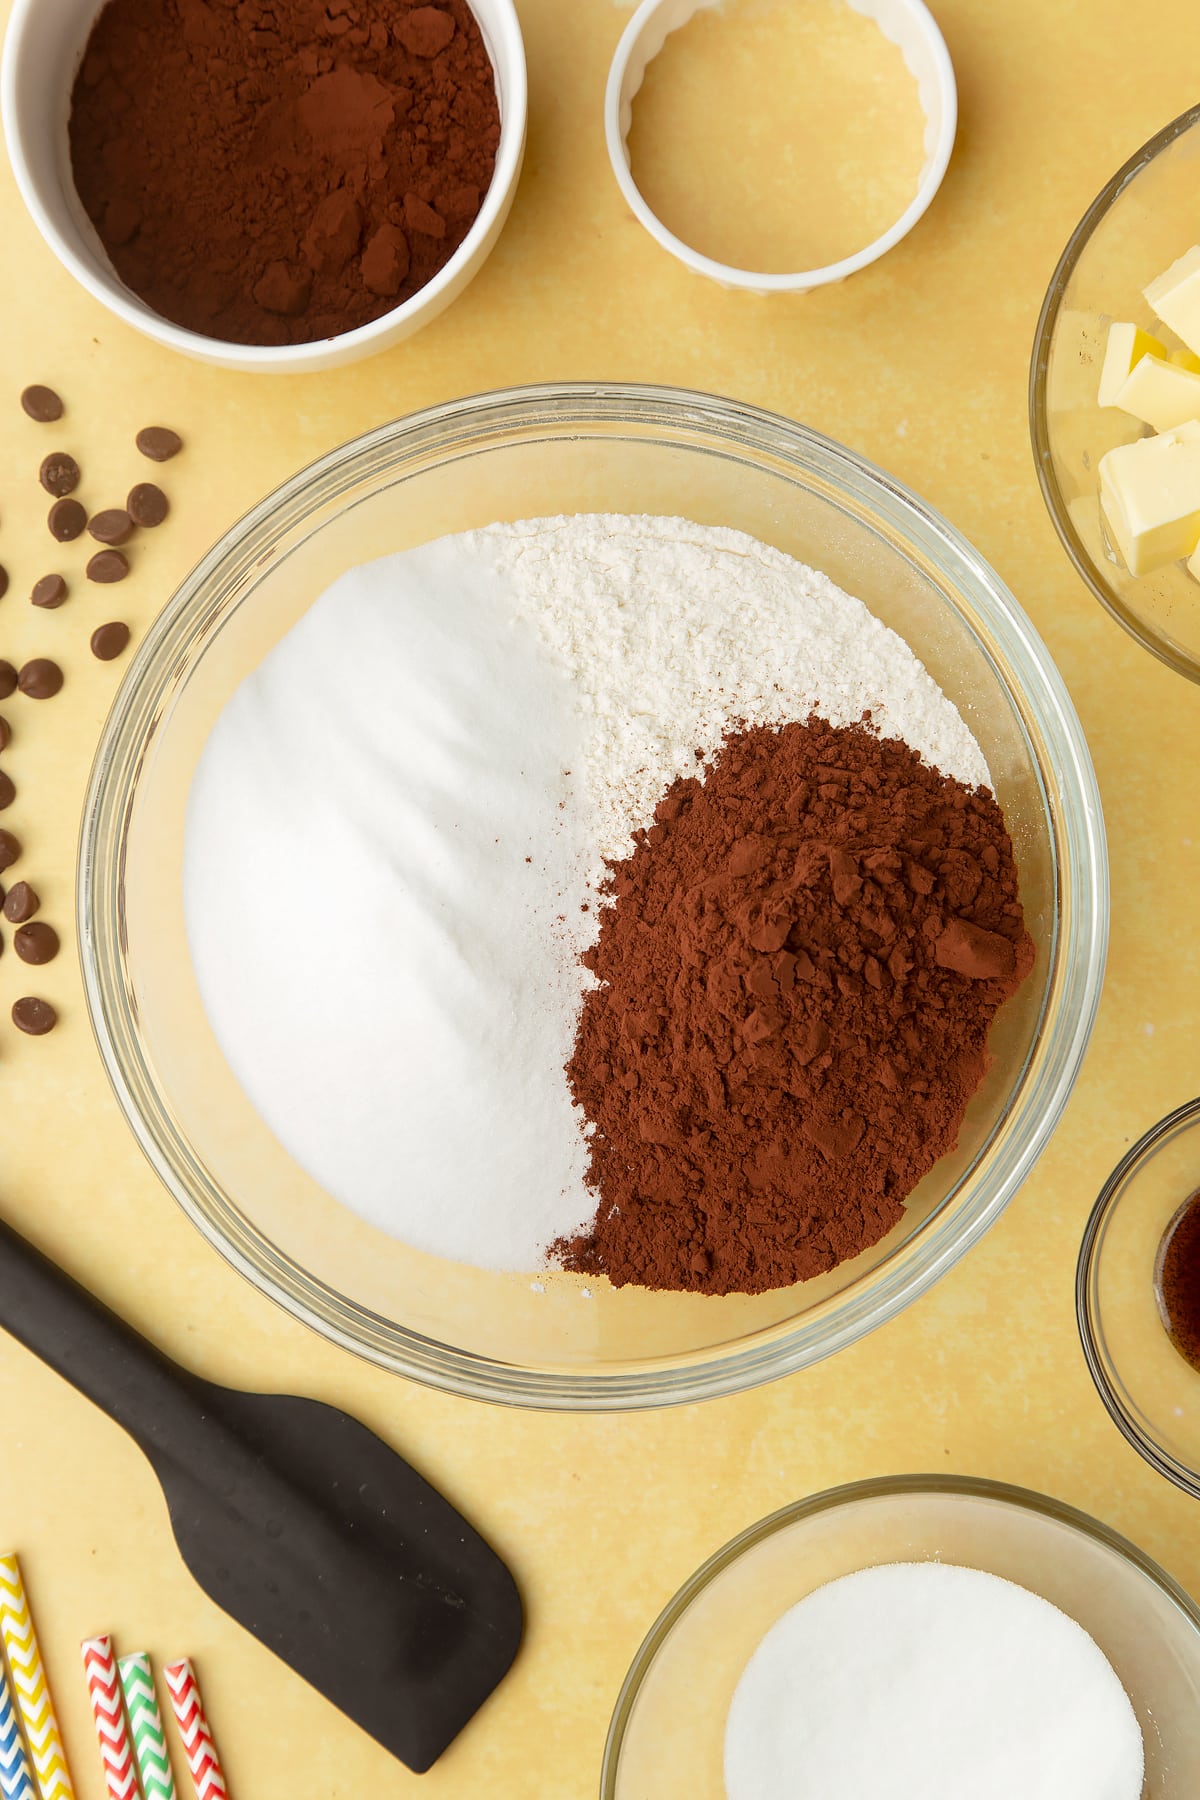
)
(796, 981)
(278, 171)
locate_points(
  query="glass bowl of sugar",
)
(1137, 1296)
(1142, 221)
(488, 1322)
(673, 1730)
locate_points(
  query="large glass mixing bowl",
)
(548, 1338)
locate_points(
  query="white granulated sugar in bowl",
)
(925, 1681)
(396, 831)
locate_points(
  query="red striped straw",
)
(198, 1745)
(108, 1710)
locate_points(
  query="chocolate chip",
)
(66, 520)
(36, 943)
(109, 640)
(49, 592)
(147, 505)
(36, 1017)
(3, 581)
(40, 679)
(112, 526)
(5, 734)
(41, 404)
(59, 474)
(8, 680)
(108, 566)
(10, 850)
(21, 903)
(159, 443)
(8, 792)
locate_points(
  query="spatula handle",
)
(95, 1351)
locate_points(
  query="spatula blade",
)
(332, 1551)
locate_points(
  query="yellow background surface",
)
(920, 363)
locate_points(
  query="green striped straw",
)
(145, 1722)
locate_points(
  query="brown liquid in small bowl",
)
(1177, 1280)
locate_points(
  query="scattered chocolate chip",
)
(66, 520)
(108, 566)
(40, 679)
(147, 505)
(8, 792)
(8, 680)
(3, 581)
(59, 474)
(112, 526)
(41, 404)
(109, 640)
(49, 592)
(159, 443)
(21, 903)
(36, 943)
(10, 850)
(5, 734)
(36, 1017)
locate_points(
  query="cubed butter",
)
(1126, 346)
(1161, 393)
(1193, 564)
(1150, 494)
(1175, 297)
(1184, 359)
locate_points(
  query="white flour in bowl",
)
(397, 826)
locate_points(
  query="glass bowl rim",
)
(1039, 425)
(828, 1500)
(1076, 826)
(1087, 1307)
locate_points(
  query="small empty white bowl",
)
(909, 24)
(43, 49)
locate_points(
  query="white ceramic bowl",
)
(42, 52)
(908, 24)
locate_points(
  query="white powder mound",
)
(375, 862)
(924, 1681)
(395, 829)
(673, 633)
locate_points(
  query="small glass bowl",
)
(545, 1337)
(1137, 226)
(1152, 1392)
(668, 1729)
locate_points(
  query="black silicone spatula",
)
(297, 1520)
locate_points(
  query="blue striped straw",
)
(16, 1782)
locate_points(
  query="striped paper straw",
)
(198, 1745)
(108, 1710)
(145, 1722)
(30, 1688)
(16, 1781)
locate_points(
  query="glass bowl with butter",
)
(548, 1337)
(1114, 396)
